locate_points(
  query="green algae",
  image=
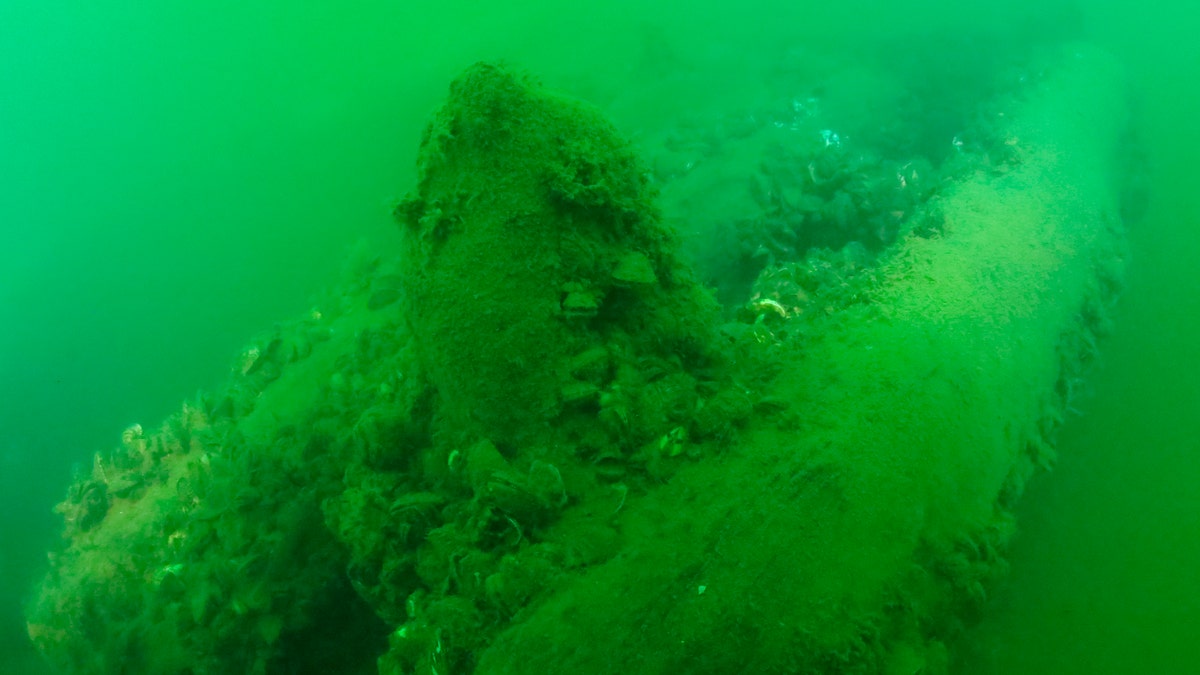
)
(530, 215)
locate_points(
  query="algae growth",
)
(532, 442)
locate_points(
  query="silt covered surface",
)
(529, 442)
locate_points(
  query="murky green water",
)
(176, 178)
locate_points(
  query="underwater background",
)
(177, 177)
